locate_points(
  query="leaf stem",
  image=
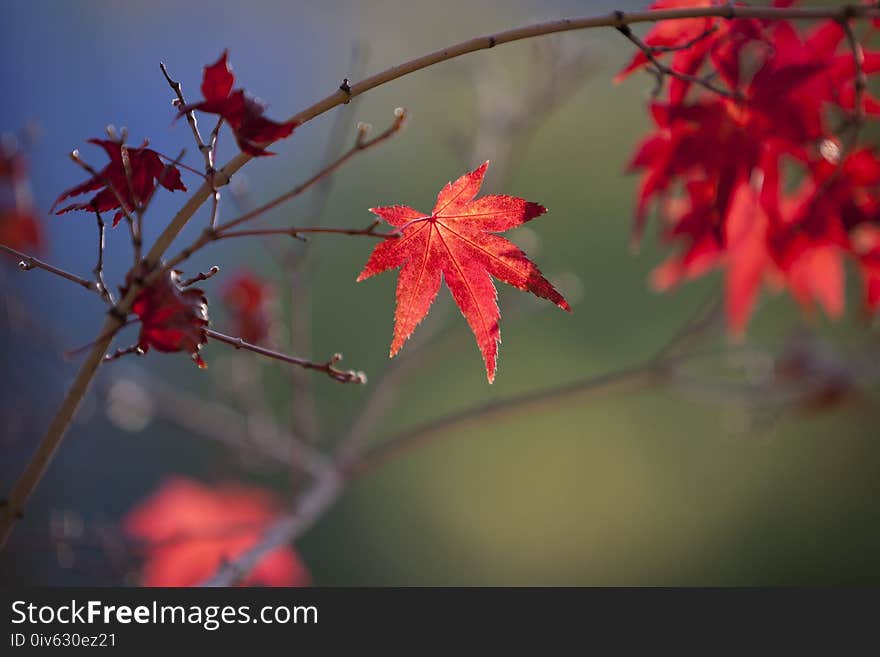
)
(28, 262)
(343, 376)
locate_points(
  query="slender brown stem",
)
(662, 71)
(58, 427)
(201, 276)
(614, 19)
(623, 381)
(136, 240)
(28, 262)
(860, 81)
(224, 231)
(659, 50)
(361, 144)
(343, 376)
(217, 421)
(182, 165)
(171, 164)
(177, 88)
(297, 232)
(328, 487)
(123, 351)
(207, 149)
(352, 462)
(99, 267)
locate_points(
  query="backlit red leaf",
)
(172, 319)
(456, 242)
(147, 170)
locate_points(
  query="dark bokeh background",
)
(648, 488)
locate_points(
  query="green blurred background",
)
(646, 488)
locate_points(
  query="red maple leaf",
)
(146, 171)
(243, 113)
(457, 243)
(250, 301)
(187, 531)
(172, 319)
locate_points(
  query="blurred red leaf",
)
(250, 301)
(21, 230)
(188, 530)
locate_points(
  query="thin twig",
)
(223, 231)
(28, 262)
(626, 380)
(361, 144)
(201, 276)
(229, 427)
(135, 237)
(860, 81)
(190, 117)
(297, 232)
(343, 376)
(210, 171)
(99, 267)
(661, 70)
(659, 50)
(351, 462)
(124, 351)
(171, 164)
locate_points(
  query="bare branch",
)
(361, 144)
(124, 351)
(201, 276)
(298, 232)
(662, 71)
(343, 376)
(136, 241)
(224, 231)
(180, 102)
(860, 81)
(28, 262)
(100, 285)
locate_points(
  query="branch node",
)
(345, 87)
(116, 313)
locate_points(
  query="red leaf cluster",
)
(457, 243)
(251, 304)
(188, 530)
(146, 171)
(20, 228)
(243, 113)
(763, 183)
(172, 319)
